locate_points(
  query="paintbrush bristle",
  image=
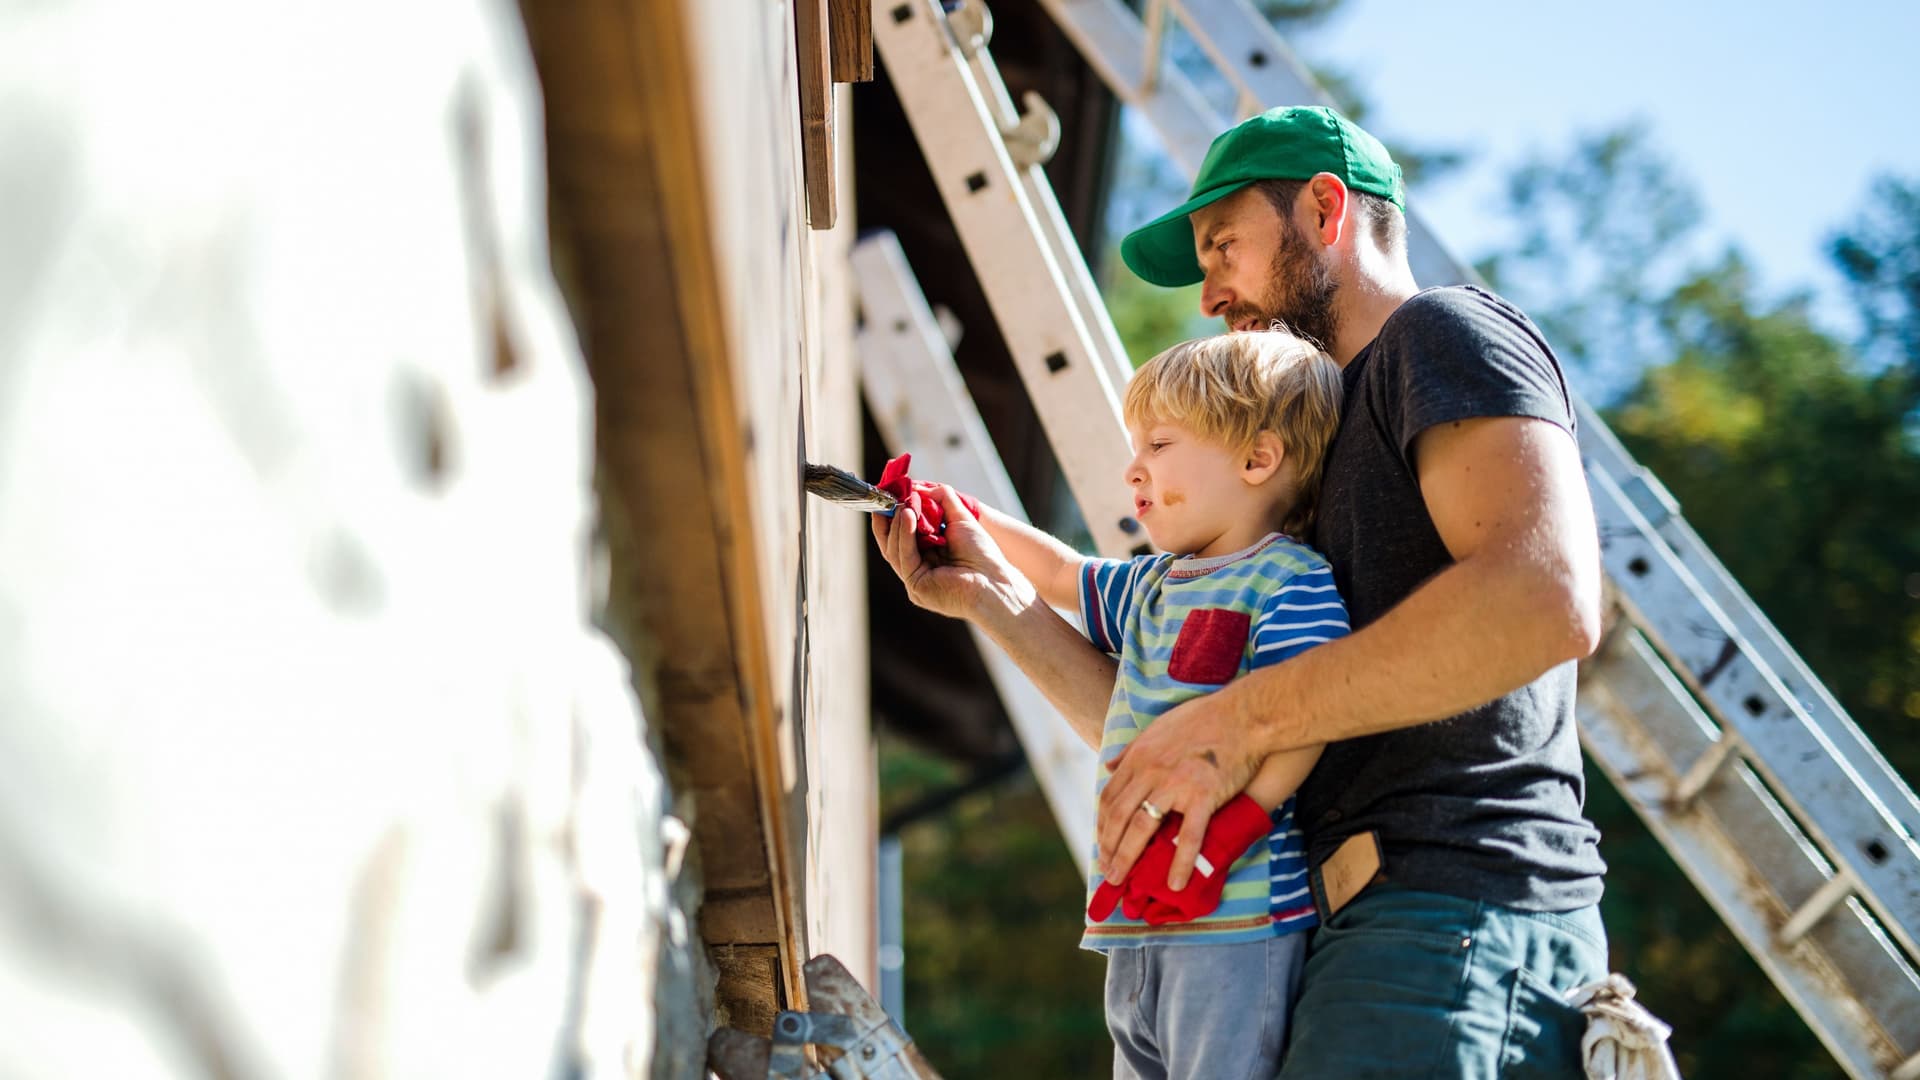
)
(845, 489)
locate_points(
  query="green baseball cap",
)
(1290, 143)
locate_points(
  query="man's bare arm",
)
(1510, 502)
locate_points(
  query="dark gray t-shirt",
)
(1487, 804)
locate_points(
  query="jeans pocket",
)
(1377, 1003)
(1543, 1032)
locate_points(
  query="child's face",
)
(1189, 492)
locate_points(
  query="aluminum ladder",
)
(1771, 800)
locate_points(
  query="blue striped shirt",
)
(1181, 627)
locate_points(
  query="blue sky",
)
(1778, 113)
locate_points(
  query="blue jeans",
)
(1407, 984)
(1202, 1012)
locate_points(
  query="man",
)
(1456, 875)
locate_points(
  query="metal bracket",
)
(1033, 140)
(870, 1045)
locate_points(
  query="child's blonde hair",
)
(1227, 389)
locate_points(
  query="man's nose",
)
(1215, 299)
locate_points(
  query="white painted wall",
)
(313, 763)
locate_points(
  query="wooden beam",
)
(629, 184)
(852, 24)
(813, 51)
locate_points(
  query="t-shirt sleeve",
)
(1303, 612)
(1460, 354)
(1106, 597)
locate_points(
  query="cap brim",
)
(1161, 251)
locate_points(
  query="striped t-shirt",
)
(1182, 627)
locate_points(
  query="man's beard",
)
(1300, 292)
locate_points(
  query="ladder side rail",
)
(1748, 858)
(1053, 226)
(1056, 356)
(1796, 758)
(920, 404)
(1602, 450)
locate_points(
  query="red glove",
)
(1233, 829)
(1154, 862)
(930, 516)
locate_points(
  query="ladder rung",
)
(1155, 20)
(1703, 770)
(1818, 906)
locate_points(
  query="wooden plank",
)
(736, 918)
(662, 34)
(816, 108)
(851, 23)
(627, 165)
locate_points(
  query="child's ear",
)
(1263, 459)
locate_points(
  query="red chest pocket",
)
(1210, 645)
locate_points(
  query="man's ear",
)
(1263, 459)
(1329, 198)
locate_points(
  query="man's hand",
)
(1190, 761)
(1236, 828)
(967, 576)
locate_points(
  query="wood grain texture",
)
(851, 26)
(748, 997)
(813, 59)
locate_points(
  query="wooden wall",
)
(717, 329)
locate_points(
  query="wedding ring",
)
(1153, 811)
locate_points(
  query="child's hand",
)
(970, 579)
(1145, 893)
(924, 499)
(1128, 896)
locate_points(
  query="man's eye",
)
(1223, 246)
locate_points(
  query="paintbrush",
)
(845, 489)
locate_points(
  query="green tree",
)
(1603, 236)
(995, 983)
(1880, 255)
(1795, 461)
